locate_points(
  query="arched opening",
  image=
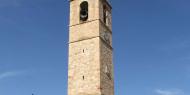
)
(105, 14)
(84, 11)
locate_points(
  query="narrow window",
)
(83, 77)
(104, 14)
(107, 71)
(84, 11)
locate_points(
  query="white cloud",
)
(169, 92)
(9, 74)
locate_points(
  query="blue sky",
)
(151, 47)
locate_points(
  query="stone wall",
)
(84, 67)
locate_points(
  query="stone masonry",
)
(90, 59)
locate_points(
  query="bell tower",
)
(90, 62)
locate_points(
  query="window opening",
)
(104, 14)
(84, 11)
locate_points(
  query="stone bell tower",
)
(90, 66)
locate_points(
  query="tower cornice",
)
(106, 1)
(108, 45)
(109, 30)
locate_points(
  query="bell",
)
(84, 11)
(83, 15)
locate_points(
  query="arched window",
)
(107, 72)
(84, 11)
(105, 14)
(106, 69)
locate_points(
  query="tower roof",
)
(108, 3)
